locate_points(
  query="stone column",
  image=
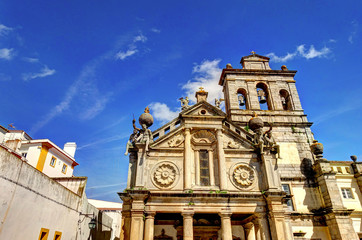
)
(211, 168)
(262, 221)
(197, 165)
(222, 164)
(249, 231)
(187, 160)
(126, 217)
(188, 230)
(276, 215)
(257, 229)
(149, 226)
(226, 231)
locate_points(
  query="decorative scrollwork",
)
(164, 175)
(243, 176)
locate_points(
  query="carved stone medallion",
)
(242, 176)
(165, 174)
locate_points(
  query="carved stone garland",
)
(164, 175)
(243, 176)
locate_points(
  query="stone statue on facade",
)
(270, 141)
(133, 138)
(184, 103)
(141, 135)
(218, 102)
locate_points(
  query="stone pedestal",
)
(140, 166)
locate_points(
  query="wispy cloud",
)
(104, 140)
(30, 60)
(132, 48)
(206, 75)
(106, 186)
(301, 51)
(353, 34)
(7, 53)
(155, 30)
(337, 111)
(44, 72)
(123, 55)
(96, 195)
(84, 87)
(4, 30)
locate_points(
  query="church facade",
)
(252, 172)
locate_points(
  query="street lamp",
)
(92, 224)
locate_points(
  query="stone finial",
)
(228, 66)
(201, 95)
(252, 52)
(317, 149)
(284, 68)
(354, 158)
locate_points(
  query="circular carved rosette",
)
(165, 175)
(242, 176)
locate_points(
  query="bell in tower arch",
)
(261, 95)
(241, 100)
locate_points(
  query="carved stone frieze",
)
(176, 141)
(203, 136)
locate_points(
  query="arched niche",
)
(263, 96)
(242, 99)
(285, 100)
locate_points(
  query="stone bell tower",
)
(257, 88)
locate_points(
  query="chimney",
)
(70, 148)
(201, 95)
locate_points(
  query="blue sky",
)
(78, 70)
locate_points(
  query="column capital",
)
(226, 214)
(150, 214)
(248, 225)
(187, 214)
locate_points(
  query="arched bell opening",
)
(285, 100)
(263, 96)
(242, 99)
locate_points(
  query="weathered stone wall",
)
(30, 200)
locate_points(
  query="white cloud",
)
(124, 55)
(207, 75)
(162, 112)
(106, 186)
(44, 72)
(155, 30)
(103, 140)
(140, 38)
(4, 30)
(7, 53)
(30, 60)
(301, 52)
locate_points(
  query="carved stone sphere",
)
(146, 118)
(255, 123)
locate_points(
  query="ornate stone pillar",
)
(149, 226)
(188, 230)
(187, 160)
(226, 231)
(249, 231)
(126, 218)
(222, 164)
